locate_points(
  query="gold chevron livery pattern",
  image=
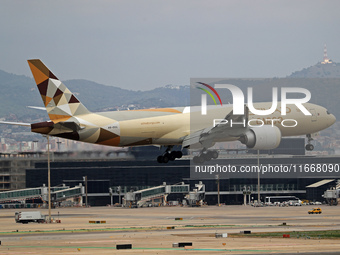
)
(69, 117)
(60, 103)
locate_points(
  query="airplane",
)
(167, 127)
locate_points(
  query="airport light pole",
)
(35, 145)
(244, 195)
(85, 180)
(58, 145)
(218, 189)
(119, 188)
(111, 195)
(249, 193)
(258, 177)
(49, 178)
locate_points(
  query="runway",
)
(146, 229)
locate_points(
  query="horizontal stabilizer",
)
(58, 128)
(37, 108)
(68, 125)
(16, 123)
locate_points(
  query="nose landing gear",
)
(309, 146)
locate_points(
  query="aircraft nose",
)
(331, 119)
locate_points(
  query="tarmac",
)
(154, 230)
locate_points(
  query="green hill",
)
(18, 91)
(329, 70)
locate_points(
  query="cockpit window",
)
(328, 112)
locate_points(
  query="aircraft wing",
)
(16, 123)
(220, 132)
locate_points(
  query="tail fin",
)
(59, 101)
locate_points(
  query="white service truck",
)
(33, 216)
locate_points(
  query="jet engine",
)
(262, 138)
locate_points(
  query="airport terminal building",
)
(299, 175)
(140, 174)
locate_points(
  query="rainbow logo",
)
(209, 93)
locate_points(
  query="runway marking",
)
(138, 248)
(101, 241)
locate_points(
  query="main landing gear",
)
(169, 155)
(205, 156)
(309, 146)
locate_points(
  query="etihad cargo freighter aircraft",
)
(168, 127)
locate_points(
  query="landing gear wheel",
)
(206, 156)
(214, 154)
(211, 155)
(309, 147)
(160, 159)
(163, 159)
(166, 158)
(198, 159)
(178, 154)
(169, 156)
(172, 155)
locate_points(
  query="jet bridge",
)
(58, 193)
(196, 197)
(141, 197)
(332, 195)
(63, 194)
(22, 194)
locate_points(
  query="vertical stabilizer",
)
(59, 101)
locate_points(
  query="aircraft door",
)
(314, 115)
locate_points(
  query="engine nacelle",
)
(262, 138)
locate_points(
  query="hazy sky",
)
(143, 44)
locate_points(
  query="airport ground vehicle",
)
(315, 211)
(33, 216)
